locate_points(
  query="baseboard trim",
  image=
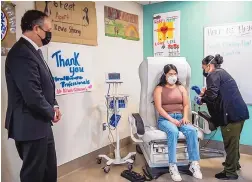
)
(88, 159)
(244, 149)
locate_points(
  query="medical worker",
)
(227, 109)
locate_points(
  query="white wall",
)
(80, 130)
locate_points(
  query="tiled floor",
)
(209, 168)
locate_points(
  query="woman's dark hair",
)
(167, 68)
(217, 60)
(32, 18)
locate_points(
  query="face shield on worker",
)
(205, 73)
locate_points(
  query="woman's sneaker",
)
(174, 172)
(195, 169)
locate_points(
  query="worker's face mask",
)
(172, 79)
(205, 73)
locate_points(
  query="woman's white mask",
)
(172, 79)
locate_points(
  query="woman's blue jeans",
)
(172, 132)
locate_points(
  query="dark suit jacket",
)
(224, 100)
(31, 93)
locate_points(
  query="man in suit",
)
(32, 106)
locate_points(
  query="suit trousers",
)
(39, 159)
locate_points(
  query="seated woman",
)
(172, 103)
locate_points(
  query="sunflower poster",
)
(121, 24)
(166, 34)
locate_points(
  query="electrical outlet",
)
(104, 126)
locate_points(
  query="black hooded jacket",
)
(223, 98)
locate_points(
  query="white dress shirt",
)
(32, 43)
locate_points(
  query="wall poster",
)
(73, 21)
(166, 34)
(71, 67)
(8, 27)
(121, 24)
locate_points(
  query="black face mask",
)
(47, 39)
(205, 74)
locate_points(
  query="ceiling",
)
(147, 2)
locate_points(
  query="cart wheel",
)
(106, 169)
(133, 157)
(130, 166)
(139, 150)
(98, 160)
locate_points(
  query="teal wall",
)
(194, 16)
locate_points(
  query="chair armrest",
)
(136, 121)
(207, 117)
(139, 124)
(201, 124)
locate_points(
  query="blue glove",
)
(197, 99)
(196, 89)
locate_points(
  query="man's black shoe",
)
(238, 167)
(223, 176)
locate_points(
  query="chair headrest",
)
(150, 71)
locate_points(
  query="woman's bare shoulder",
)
(182, 88)
(159, 88)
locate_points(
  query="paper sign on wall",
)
(8, 27)
(71, 67)
(73, 21)
(166, 34)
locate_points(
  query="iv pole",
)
(130, 158)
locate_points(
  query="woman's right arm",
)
(158, 105)
(203, 90)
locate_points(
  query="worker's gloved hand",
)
(196, 89)
(197, 99)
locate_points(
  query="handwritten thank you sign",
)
(8, 27)
(71, 67)
(73, 21)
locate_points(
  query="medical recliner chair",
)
(143, 125)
